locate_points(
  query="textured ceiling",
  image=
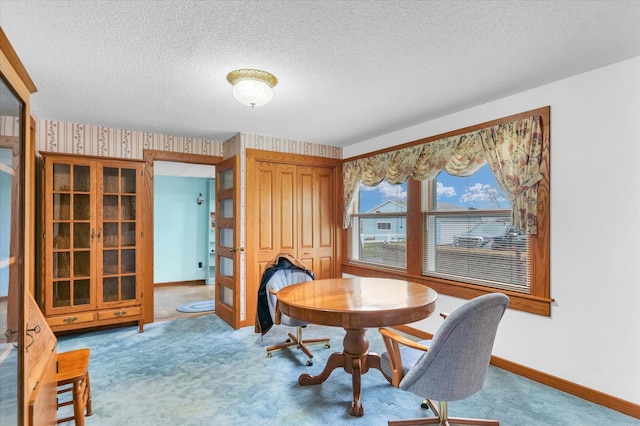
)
(347, 70)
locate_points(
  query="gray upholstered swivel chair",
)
(453, 365)
(281, 278)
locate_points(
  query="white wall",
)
(593, 335)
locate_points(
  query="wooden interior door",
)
(315, 209)
(271, 215)
(229, 251)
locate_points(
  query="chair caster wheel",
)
(327, 345)
(309, 363)
(425, 404)
(269, 354)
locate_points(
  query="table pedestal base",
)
(355, 359)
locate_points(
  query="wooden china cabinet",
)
(92, 234)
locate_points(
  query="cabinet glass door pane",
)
(61, 293)
(61, 206)
(119, 186)
(110, 262)
(81, 266)
(128, 261)
(128, 204)
(81, 207)
(128, 288)
(81, 178)
(110, 234)
(81, 235)
(61, 264)
(110, 180)
(110, 289)
(128, 181)
(62, 177)
(110, 207)
(81, 292)
(128, 234)
(61, 234)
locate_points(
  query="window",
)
(454, 232)
(468, 235)
(380, 222)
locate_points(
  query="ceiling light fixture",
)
(252, 87)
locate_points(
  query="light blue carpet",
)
(199, 371)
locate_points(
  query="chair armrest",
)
(388, 334)
(392, 342)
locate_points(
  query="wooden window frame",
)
(539, 300)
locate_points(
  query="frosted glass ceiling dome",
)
(252, 87)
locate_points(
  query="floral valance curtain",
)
(512, 150)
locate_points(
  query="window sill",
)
(521, 302)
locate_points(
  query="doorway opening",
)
(182, 198)
(184, 239)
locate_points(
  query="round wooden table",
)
(355, 304)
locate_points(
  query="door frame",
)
(150, 156)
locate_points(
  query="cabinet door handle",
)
(35, 330)
(70, 320)
(235, 249)
(93, 234)
(119, 313)
(12, 337)
(99, 234)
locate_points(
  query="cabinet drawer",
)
(119, 313)
(70, 319)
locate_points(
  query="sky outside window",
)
(479, 191)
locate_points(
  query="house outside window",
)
(380, 222)
(468, 235)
